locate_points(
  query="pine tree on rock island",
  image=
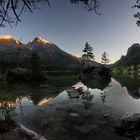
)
(105, 58)
(88, 55)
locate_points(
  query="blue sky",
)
(70, 26)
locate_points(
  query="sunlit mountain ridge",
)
(51, 54)
(10, 40)
(12, 49)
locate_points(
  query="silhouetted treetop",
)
(105, 58)
(90, 4)
(11, 10)
(88, 54)
(137, 15)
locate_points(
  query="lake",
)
(90, 116)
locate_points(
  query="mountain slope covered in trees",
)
(14, 52)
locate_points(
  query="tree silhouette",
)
(35, 63)
(105, 58)
(91, 5)
(137, 15)
(88, 54)
(11, 10)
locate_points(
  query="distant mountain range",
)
(13, 50)
(132, 56)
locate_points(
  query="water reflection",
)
(132, 83)
(96, 100)
(44, 101)
(87, 93)
(83, 92)
(99, 84)
(103, 96)
(76, 90)
(7, 116)
(24, 101)
(87, 98)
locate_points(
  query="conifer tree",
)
(105, 58)
(88, 54)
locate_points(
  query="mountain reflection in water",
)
(90, 110)
(105, 89)
(114, 96)
(132, 83)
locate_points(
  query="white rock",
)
(30, 133)
(74, 115)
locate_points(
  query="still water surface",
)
(91, 116)
(115, 97)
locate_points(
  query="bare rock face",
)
(133, 55)
(133, 50)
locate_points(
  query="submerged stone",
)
(74, 115)
(129, 126)
(106, 115)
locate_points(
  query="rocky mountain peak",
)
(135, 48)
(41, 40)
(132, 56)
(9, 39)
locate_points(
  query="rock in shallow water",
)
(137, 138)
(130, 126)
(106, 115)
(74, 115)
